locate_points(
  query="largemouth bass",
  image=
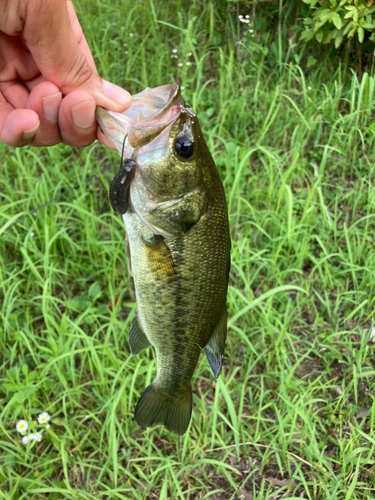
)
(177, 245)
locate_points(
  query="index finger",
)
(52, 39)
(80, 37)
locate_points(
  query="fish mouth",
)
(151, 111)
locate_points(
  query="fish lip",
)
(110, 127)
(116, 126)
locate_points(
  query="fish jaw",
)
(151, 111)
(114, 131)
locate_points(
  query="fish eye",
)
(184, 147)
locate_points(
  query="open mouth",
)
(151, 111)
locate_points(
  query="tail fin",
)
(155, 408)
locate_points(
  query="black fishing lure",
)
(119, 190)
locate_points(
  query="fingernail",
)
(115, 93)
(29, 134)
(83, 114)
(50, 107)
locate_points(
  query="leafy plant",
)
(335, 21)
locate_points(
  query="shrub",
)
(336, 20)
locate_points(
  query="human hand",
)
(49, 86)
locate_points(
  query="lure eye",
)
(129, 165)
(184, 147)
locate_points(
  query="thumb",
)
(54, 37)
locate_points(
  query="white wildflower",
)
(179, 64)
(25, 439)
(48, 426)
(174, 51)
(43, 418)
(22, 426)
(182, 87)
(37, 436)
(372, 335)
(309, 88)
(188, 63)
(131, 35)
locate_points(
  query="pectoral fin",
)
(215, 348)
(136, 337)
(160, 260)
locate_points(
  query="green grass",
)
(295, 149)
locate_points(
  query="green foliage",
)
(337, 20)
(293, 413)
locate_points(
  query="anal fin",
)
(215, 347)
(137, 338)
